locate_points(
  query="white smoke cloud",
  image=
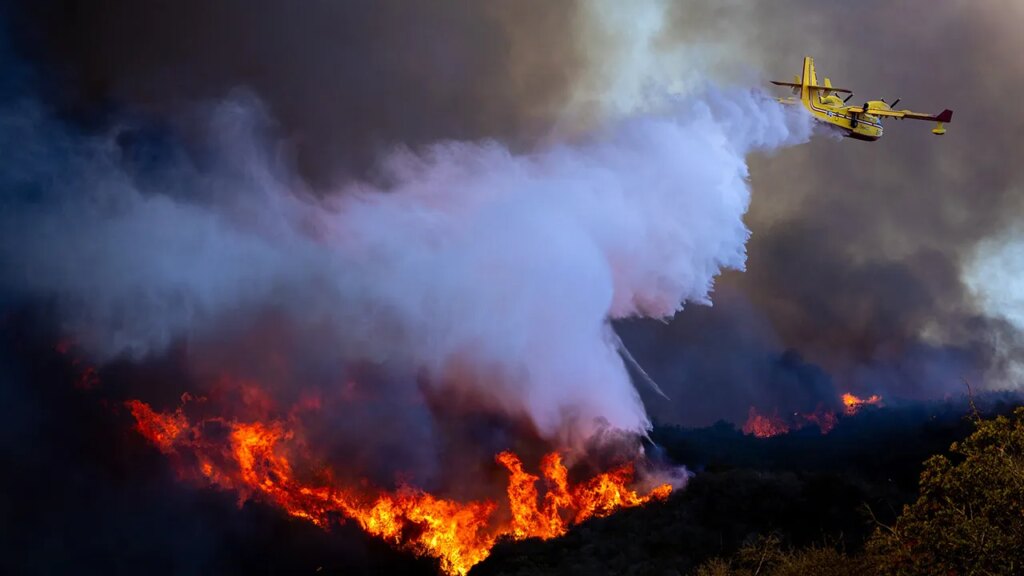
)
(493, 273)
(995, 275)
(636, 62)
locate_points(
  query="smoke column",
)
(490, 273)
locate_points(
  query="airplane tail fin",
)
(940, 121)
(799, 83)
(808, 78)
(806, 85)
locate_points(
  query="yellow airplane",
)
(859, 122)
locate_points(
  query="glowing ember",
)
(853, 403)
(256, 462)
(87, 376)
(764, 426)
(825, 420)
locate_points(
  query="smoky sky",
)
(345, 80)
(853, 278)
(856, 254)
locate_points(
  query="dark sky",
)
(345, 80)
(854, 273)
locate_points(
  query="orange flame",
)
(763, 426)
(255, 463)
(853, 403)
(160, 429)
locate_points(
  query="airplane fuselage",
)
(857, 126)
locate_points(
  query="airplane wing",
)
(830, 89)
(812, 87)
(944, 116)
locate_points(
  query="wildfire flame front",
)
(254, 462)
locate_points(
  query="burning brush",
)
(766, 426)
(259, 460)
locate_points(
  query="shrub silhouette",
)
(969, 517)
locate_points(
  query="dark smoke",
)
(857, 254)
(857, 250)
(346, 80)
